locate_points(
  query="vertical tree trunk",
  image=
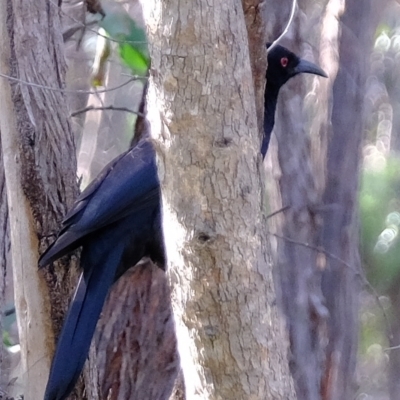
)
(340, 214)
(297, 265)
(202, 111)
(323, 326)
(39, 166)
(298, 228)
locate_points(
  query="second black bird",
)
(282, 65)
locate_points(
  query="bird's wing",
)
(128, 184)
(99, 260)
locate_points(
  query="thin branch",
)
(277, 212)
(9, 312)
(68, 33)
(392, 348)
(75, 91)
(357, 273)
(93, 108)
(275, 42)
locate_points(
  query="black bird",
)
(117, 221)
(282, 65)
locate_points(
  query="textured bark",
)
(202, 111)
(256, 17)
(340, 216)
(137, 357)
(39, 166)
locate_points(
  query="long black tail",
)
(99, 262)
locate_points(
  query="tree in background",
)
(317, 243)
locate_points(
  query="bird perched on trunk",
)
(282, 65)
(117, 221)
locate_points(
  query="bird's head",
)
(283, 65)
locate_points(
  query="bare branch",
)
(53, 89)
(275, 42)
(392, 348)
(359, 274)
(112, 108)
(277, 212)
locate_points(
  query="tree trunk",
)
(319, 243)
(202, 112)
(340, 213)
(297, 229)
(137, 357)
(39, 165)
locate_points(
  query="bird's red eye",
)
(284, 62)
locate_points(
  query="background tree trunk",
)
(340, 210)
(296, 230)
(319, 229)
(209, 167)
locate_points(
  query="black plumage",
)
(117, 221)
(282, 65)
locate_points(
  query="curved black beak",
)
(308, 67)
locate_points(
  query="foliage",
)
(130, 38)
(380, 221)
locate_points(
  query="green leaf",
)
(131, 39)
(137, 62)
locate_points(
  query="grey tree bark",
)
(136, 352)
(39, 165)
(202, 112)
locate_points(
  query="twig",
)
(275, 42)
(359, 274)
(277, 212)
(53, 89)
(68, 33)
(93, 108)
(9, 312)
(392, 348)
